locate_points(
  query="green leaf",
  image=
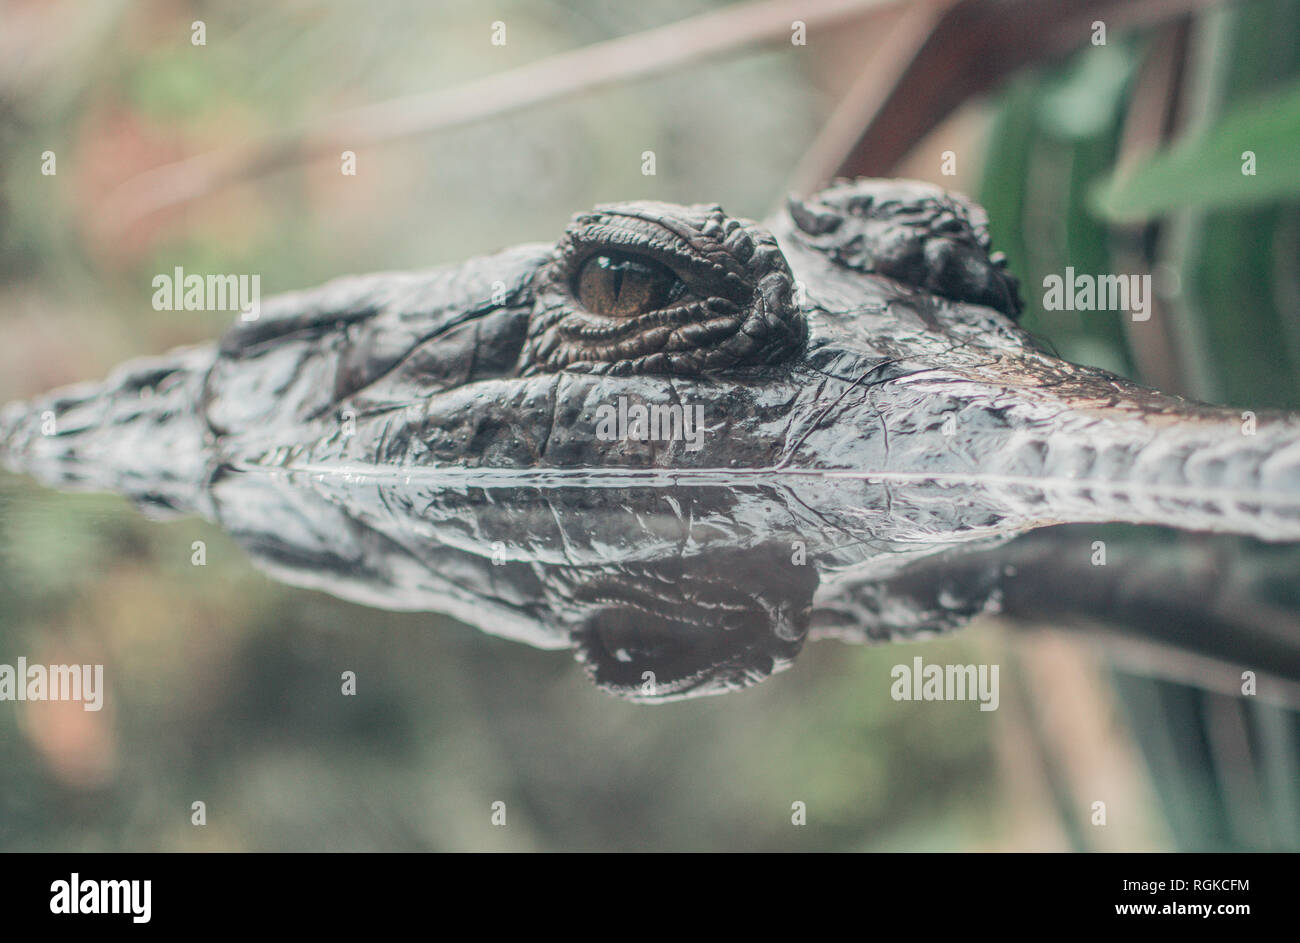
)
(1207, 171)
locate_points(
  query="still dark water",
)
(295, 670)
(343, 660)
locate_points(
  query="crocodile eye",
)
(622, 286)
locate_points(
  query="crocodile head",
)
(674, 441)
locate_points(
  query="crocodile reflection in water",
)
(871, 409)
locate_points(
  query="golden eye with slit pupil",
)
(621, 286)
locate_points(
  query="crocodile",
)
(677, 443)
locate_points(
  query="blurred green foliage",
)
(1207, 171)
(1225, 253)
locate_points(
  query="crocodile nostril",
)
(911, 232)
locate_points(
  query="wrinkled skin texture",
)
(871, 411)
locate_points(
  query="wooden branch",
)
(652, 51)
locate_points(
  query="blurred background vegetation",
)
(224, 686)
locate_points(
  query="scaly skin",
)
(430, 441)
